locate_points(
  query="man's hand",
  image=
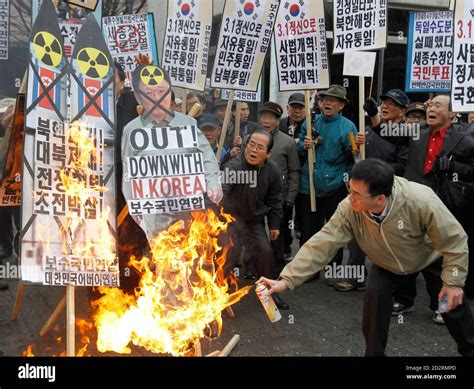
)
(274, 234)
(7, 119)
(142, 59)
(215, 194)
(360, 138)
(273, 286)
(370, 106)
(234, 151)
(237, 141)
(455, 295)
(308, 143)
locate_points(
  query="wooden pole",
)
(309, 127)
(18, 300)
(195, 109)
(228, 113)
(230, 346)
(361, 114)
(197, 349)
(71, 322)
(184, 101)
(237, 119)
(54, 316)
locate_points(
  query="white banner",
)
(130, 35)
(430, 51)
(359, 25)
(244, 38)
(300, 42)
(359, 64)
(463, 65)
(4, 28)
(187, 40)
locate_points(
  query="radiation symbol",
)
(151, 75)
(92, 63)
(47, 48)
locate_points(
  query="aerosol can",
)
(267, 301)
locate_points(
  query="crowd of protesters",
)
(418, 142)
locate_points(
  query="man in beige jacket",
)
(403, 227)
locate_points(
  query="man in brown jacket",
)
(403, 227)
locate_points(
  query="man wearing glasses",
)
(404, 228)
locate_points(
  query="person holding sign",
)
(168, 164)
(371, 214)
(211, 128)
(291, 124)
(333, 162)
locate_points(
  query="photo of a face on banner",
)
(152, 88)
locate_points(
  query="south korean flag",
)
(186, 9)
(294, 9)
(248, 9)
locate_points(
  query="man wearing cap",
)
(211, 129)
(416, 113)
(291, 124)
(442, 157)
(285, 156)
(152, 89)
(333, 162)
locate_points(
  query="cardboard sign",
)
(462, 94)
(130, 35)
(244, 38)
(359, 25)
(361, 64)
(4, 28)
(187, 40)
(430, 52)
(57, 224)
(87, 4)
(300, 46)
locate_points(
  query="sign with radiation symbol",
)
(151, 75)
(93, 63)
(47, 49)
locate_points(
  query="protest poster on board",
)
(430, 51)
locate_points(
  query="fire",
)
(182, 291)
(28, 352)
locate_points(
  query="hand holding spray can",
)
(267, 301)
(443, 304)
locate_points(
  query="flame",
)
(28, 352)
(182, 291)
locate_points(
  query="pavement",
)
(320, 322)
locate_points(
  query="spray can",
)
(443, 304)
(267, 301)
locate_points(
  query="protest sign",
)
(244, 38)
(430, 52)
(300, 46)
(130, 35)
(186, 44)
(462, 94)
(359, 25)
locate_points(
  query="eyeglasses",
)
(355, 196)
(258, 147)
